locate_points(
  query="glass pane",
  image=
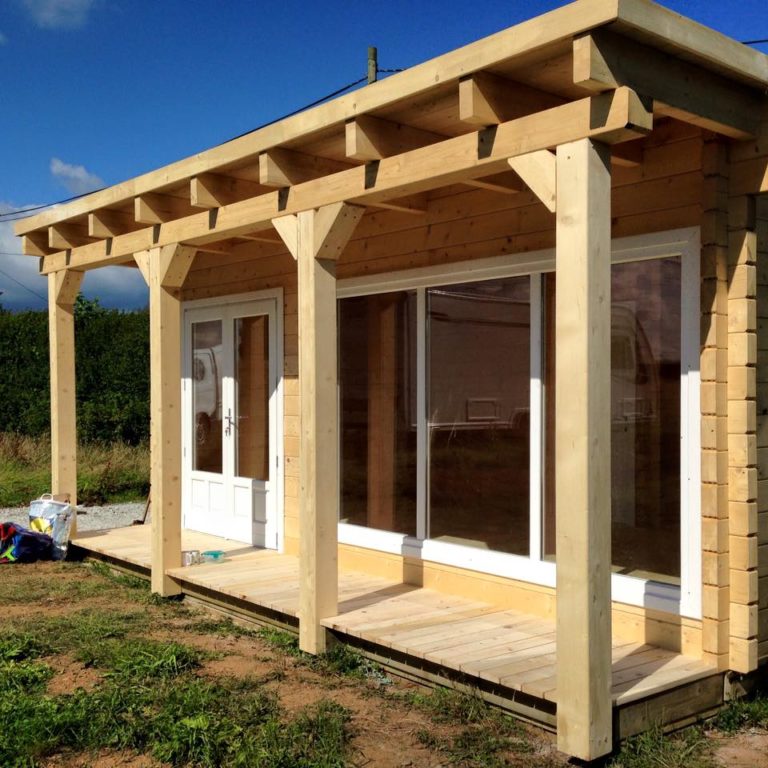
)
(377, 374)
(206, 395)
(253, 391)
(478, 406)
(548, 334)
(645, 418)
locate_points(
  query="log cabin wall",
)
(667, 190)
(761, 229)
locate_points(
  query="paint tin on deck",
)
(190, 557)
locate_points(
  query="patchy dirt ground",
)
(391, 722)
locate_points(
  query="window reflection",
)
(478, 405)
(206, 395)
(377, 367)
(645, 419)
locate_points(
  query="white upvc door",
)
(230, 436)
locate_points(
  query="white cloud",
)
(76, 178)
(58, 14)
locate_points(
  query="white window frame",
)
(684, 599)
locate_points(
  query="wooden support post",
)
(63, 288)
(316, 239)
(166, 269)
(583, 449)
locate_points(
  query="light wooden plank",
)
(583, 439)
(166, 263)
(63, 288)
(320, 237)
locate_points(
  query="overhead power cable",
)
(25, 287)
(23, 213)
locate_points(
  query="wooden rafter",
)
(612, 117)
(212, 190)
(65, 236)
(109, 223)
(602, 60)
(486, 99)
(285, 167)
(154, 208)
(371, 138)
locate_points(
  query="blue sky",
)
(98, 91)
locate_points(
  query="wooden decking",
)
(509, 653)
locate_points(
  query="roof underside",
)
(562, 58)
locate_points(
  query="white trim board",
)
(685, 600)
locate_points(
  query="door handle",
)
(229, 423)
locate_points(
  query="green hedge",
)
(112, 366)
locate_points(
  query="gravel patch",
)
(88, 518)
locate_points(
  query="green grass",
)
(107, 473)
(744, 713)
(150, 696)
(487, 738)
(687, 749)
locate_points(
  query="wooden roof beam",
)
(212, 190)
(109, 223)
(603, 60)
(609, 118)
(280, 167)
(154, 208)
(67, 235)
(371, 138)
(36, 244)
(487, 99)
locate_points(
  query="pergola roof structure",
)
(537, 84)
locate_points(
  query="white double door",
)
(230, 435)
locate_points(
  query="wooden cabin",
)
(469, 368)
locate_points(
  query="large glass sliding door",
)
(448, 422)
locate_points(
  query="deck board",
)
(514, 650)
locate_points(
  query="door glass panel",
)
(377, 371)
(478, 410)
(252, 397)
(206, 395)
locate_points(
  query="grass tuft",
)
(489, 737)
(743, 713)
(653, 749)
